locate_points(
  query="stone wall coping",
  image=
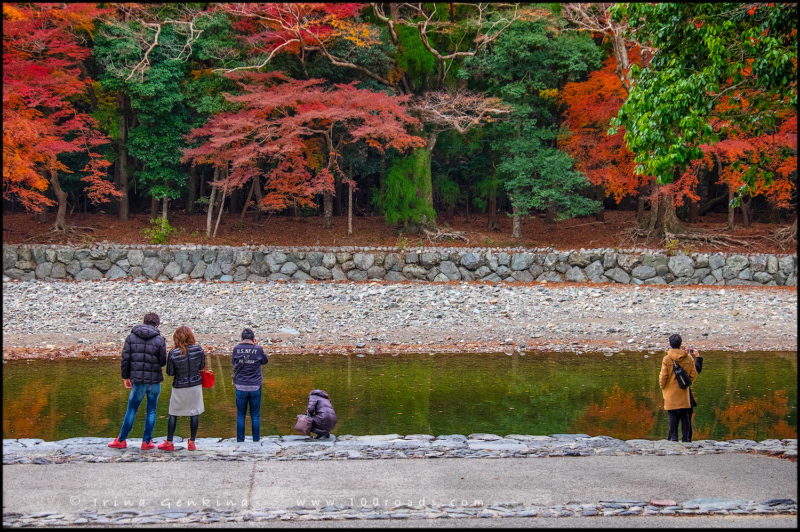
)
(388, 249)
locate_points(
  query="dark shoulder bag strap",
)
(238, 368)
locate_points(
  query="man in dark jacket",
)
(320, 410)
(248, 357)
(143, 356)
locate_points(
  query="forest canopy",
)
(409, 111)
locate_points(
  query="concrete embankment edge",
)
(668, 480)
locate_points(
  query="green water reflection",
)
(741, 395)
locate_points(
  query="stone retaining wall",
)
(254, 264)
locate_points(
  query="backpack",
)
(681, 376)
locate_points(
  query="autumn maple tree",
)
(42, 76)
(605, 159)
(712, 61)
(270, 134)
(753, 165)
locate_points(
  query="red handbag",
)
(208, 377)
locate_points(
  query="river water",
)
(750, 395)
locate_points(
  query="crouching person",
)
(320, 410)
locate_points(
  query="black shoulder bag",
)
(681, 376)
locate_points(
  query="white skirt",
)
(186, 401)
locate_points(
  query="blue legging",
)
(254, 400)
(138, 392)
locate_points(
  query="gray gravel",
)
(387, 317)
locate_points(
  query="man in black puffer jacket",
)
(143, 356)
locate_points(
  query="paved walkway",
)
(629, 490)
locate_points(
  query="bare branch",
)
(423, 18)
(145, 60)
(460, 110)
(263, 63)
(148, 18)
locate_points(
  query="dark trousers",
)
(319, 431)
(253, 399)
(684, 416)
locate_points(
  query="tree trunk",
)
(235, 199)
(209, 215)
(730, 209)
(598, 195)
(620, 51)
(122, 160)
(550, 215)
(164, 212)
(694, 211)
(640, 208)
(153, 208)
(425, 180)
(669, 221)
(202, 186)
(247, 201)
(662, 218)
(349, 208)
(746, 205)
(61, 215)
(259, 197)
(338, 196)
(516, 221)
(221, 207)
(192, 198)
(327, 202)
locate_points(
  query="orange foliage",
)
(620, 416)
(41, 76)
(314, 152)
(764, 414)
(299, 27)
(30, 413)
(604, 159)
(769, 153)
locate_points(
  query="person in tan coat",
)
(676, 400)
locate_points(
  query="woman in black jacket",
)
(185, 361)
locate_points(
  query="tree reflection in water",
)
(741, 395)
(620, 414)
(757, 417)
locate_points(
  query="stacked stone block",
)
(261, 264)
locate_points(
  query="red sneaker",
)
(166, 446)
(147, 445)
(118, 444)
(191, 446)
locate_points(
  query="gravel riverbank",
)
(68, 318)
